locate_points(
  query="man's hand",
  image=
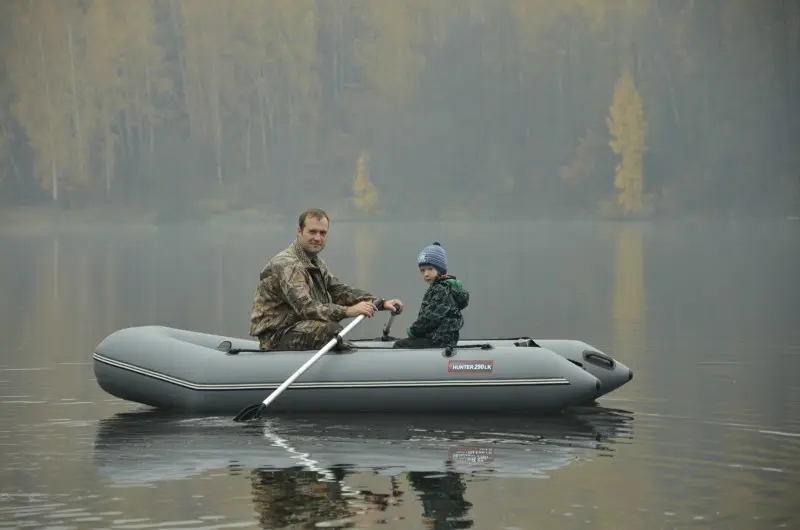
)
(362, 308)
(394, 305)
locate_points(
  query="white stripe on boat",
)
(544, 381)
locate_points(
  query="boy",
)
(439, 320)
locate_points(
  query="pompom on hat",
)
(434, 256)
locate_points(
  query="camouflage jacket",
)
(293, 287)
(439, 317)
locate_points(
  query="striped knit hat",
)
(435, 256)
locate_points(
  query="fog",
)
(159, 111)
(621, 172)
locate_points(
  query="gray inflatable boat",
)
(188, 371)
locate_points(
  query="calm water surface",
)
(707, 435)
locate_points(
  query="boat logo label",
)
(472, 366)
(471, 455)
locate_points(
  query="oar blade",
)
(249, 413)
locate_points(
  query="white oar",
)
(254, 411)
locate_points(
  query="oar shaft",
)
(277, 392)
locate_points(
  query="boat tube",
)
(150, 447)
(188, 371)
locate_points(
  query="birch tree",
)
(628, 129)
(38, 67)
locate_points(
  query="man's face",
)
(313, 235)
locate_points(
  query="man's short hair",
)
(314, 213)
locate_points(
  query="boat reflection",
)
(298, 467)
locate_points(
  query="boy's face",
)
(428, 273)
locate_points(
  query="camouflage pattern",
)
(297, 300)
(306, 335)
(440, 318)
(296, 498)
(413, 343)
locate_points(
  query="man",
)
(298, 304)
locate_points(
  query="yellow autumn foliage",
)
(628, 130)
(365, 194)
(157, 103)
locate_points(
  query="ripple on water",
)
(707, 463)
(697, 462)
(36, 510)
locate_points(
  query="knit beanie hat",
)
(435, 256)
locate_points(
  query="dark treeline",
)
(485, 107)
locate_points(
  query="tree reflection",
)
(301, 499)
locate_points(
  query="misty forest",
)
(185, 109)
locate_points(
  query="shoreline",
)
(39, 220)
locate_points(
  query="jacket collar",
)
(305, 259)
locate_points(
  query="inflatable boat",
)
(189, 371)
(152, 447)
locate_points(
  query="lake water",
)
(707, 435)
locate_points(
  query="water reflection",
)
(55, 268)
(364, 257)
(707, 320)
(629, 295)
(295, 496)
(442, 496)
(301, 498)
(308, 470)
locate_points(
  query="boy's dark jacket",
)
(439, 317)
